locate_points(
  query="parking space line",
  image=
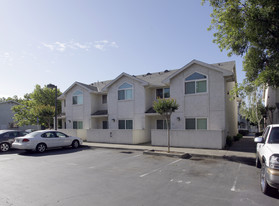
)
(235, 180)
(153, 171)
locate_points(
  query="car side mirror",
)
(259, 139)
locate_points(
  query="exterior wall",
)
(6, 115)
(210, 105)
(117, 136)
(126, 109)
(231, 111)
(78, 112)
(81, 133)
(211, 139)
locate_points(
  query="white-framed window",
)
(196, 83)
(104, 99)
(125, 124)
(163, 93)
(196, 123)
(78, 97)
(162, 124)
(125, 92)
(77, 125)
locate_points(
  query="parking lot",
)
(89, 176)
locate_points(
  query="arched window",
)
(196, 83)
(125, 92)
(78, 97)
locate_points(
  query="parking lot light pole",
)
(52, 86)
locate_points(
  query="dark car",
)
(7, 137)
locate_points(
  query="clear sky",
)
(63, 41)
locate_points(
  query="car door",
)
(64, 139)
(50, 139)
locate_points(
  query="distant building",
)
(6, 116)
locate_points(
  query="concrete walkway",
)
(241, 151)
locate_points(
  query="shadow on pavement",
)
(54, 151)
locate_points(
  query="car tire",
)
(75, 144)
(41, 148)
(266, 189)
(258, 162)
(4, 147)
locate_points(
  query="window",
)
(163, 93)
(125, 92)
(104, 99)
(196, 123)
(78, 97)
(125, 124)
(162, 124)
(105, 124)
(196, 83)
(77, 125)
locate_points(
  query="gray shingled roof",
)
(155, 79)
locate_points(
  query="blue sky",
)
(63, 41)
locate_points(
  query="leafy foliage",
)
(250, 28)
(37, 107)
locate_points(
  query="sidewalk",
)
(241, 151)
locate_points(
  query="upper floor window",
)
(163, 93)
(78, 97)
(196, 83)
(125, 92)
(104, 99)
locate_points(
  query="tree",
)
(37, 107)
(254, 108)
(166, 107)
(249, 28)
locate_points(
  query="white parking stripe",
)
(148, 173)
(235, 180)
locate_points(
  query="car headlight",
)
(274, 161)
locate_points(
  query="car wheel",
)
(266, 189)
(75, 144)
(4, 147)
(258, 163)
(41, 147)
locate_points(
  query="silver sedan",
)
(42, 140)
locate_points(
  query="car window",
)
(48, 135)
(274, 135)
(60, 134)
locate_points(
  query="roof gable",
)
(225, 72)
(142, 82)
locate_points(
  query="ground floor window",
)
(105, 124)
(77, 124)
(196, 123)
(162, 124)
(125, 124)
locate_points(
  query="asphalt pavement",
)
(243, 150)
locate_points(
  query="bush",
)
(237, 137)
(229, 141)
(244, 132)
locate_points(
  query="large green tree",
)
(249, 28)
(37, 107)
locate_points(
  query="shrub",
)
(244, 132)
(229, 141)
(237, 137)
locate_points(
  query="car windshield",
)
(274, 136)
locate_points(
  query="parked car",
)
(7, 137)
(267, 158)
(43, 139)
